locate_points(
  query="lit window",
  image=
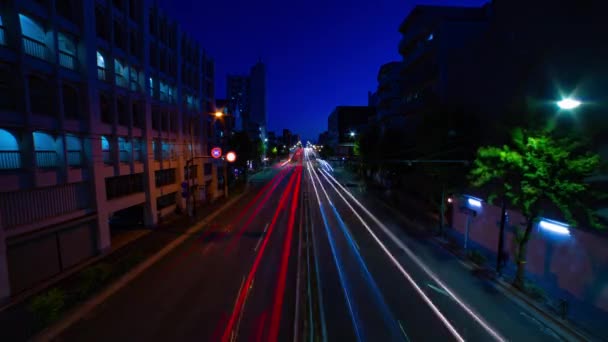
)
(430, 37)
(100, 61)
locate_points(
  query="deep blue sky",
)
(319, 54)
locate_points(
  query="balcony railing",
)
(75, 158)
(135, 86)
(164, 97)
(125, 156)
(34, 48)
(121, 81)
(67, 60)
(10, 160)
(101, 73)
(46, 159)
(138, 155)
(107, 157)
(2, 39)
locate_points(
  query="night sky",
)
(319, 54)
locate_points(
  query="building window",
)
(137, 114)
(121, 72)
(71, 101)
(133, 12)
(34, 36)
(10, 156)
(121, 186)
(2, 35)
(118, 4)
(66, 8)
(193, 172)
(208, 169)
(164, 177)
(101, 25)
(124, 150)
(74, 151)
(105, 108)
(8, 82)
(165, 201)
(121, 111)
(101, 67)
(67, 51)
(41, 99)
(119, 36)
(106, 150)
(155, 118)
(46, 150)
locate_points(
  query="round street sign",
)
(230, 156)
(216, 152)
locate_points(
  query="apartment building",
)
(102, 102)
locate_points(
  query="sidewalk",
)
(582, 321)
(19, 323)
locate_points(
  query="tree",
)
(536, 171)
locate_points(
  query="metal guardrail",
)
(67, 60)
(74, 158)
(46, 159)
(35, 48)
(10, 160)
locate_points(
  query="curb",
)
(79, 312)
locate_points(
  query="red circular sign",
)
(231, 156)
(216, 152)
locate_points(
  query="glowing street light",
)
(218, 114)
(352, 134)
(230, 156)
(568, 103)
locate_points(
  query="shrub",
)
(535, 292)
(47, 307)
(476, 257)
(92, 279)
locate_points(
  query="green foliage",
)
(538, 168)
(47, 307)
(477, 257)
(274, 151)
(535, 292)
(92, 279)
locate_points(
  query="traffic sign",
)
(230, 156)
(216, 152)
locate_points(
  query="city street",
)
(233, 281)
(384, 285)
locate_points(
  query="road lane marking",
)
(261, 238)
(403, 331)
(407, 276)
(335, 257)
(438, 290)
(418, 262)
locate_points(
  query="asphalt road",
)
(233, 281)
(373, 288)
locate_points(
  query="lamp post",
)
(568, 103)
(220, 116)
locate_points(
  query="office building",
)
(344, 124)
(247, 95)
(102, 104)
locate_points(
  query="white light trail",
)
(420, 264)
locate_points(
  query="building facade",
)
(247, 96)
(102, 104)
(343, 126)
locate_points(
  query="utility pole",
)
(501, 235)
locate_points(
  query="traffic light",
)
(185, 189)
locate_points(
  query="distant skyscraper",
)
(248, 100)
(258, 98)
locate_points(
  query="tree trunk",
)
(522, 249)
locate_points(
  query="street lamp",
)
(352, 134)
(568, 103)
(218, 114)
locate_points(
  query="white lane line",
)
(418, 262)
(235, 332)
(438, 290)
(403, 331)
(407, 276)
(261, 238)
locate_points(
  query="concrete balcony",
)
(101, 73)
(67, 60)
(26, 207)
(10, 160)
(75, 159)
(47, 159)
(35, 48)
